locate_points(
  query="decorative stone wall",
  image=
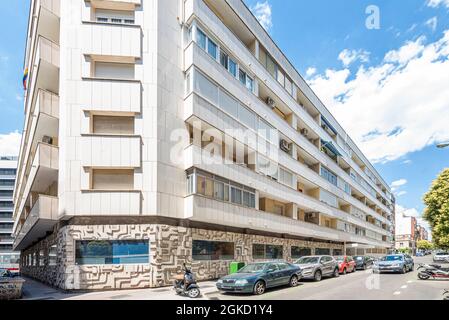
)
(170, 247)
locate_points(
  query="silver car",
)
(317, 267)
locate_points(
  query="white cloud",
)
(412, 212)
(437, 3)
(432, 23)
(349, 56)
(10, 144)
(401, 193)
(399, 183)
(407, 162)
(263, 13)
(310, 71)
(396, 107)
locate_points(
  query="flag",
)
(25, 79)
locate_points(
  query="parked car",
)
(363, 262)
(402, 263)
(420, 254)
(346, 264)
(441, 256)
(5, 273)
(317, 267)
(257, 277)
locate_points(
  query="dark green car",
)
(257, 277)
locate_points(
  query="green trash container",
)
(234, 267)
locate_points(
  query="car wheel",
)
(404, 269)
(336, 273)
(317, 276)
(259, 288)
(294, 281)
(412, 268)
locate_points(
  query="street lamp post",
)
(443, 145)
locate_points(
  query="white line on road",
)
(410, 281)
(404, 287)
(397, 293)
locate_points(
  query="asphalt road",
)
(362, 285)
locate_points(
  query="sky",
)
(385, 81)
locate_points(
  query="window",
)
(201, 39)
(102, 19)
(212, 250)
(110, 70)
(52, 255)
(205, 186)
(6, 194)
(41, 258)
(221, 191)
(298, 252)
(9, 183)
(112, 179)
(321, 251)
(285, 177)
(112, 252)
(249, 83)
(329, 176)
(242, 76)
(114, 16)
(339, 252)
(233, 67)
(224, 60)
(267, 252)
(236, 195)
(112, 125)
(212, 49)
(8, 172)
(281, 77)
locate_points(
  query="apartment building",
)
(407, 233)
(423, 234)
(8, 258)
(164, 132)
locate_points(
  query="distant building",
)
(423, 234)
(407, 233)
(8, 258)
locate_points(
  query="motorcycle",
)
(427, 271)
(446, 295)
(186, 284)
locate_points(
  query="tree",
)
(424, 245)
(437, 209)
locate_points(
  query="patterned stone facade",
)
(170, 247)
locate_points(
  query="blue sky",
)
(385, 86)
(378, 83)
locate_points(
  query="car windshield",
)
(392, 258)
(305, 260)
(253, 268)
(340, 259)
(442, 254)
(358, 258)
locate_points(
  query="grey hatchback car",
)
(317, 267)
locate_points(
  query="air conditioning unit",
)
(47, 140)
(325, 127)
(285, 146)
(271, 103)
(305, 132)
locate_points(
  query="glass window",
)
(247, 117)
(205, 87)
(271, 67)
(219, 191)
(212, 49)
(41, 258)
(236, 195)
(52, 255)
(281, 77)
(258, 251)
(250, 83)
(298, 252)
(112, 252)
(268, 252)
(233, 67)
(224, 59)
(321, 251)
(201, 39)
(212, 250)
(242, 76)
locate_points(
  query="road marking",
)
(410, 281)
(404, 287)
(397, 293)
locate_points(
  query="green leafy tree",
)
(424, 245)
(437, 209)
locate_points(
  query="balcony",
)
(115, 4)
(111, 95)
(41, 219)
(47, 13)
(109, 151)
(201, 209)
(108, 203)
(43, 173)
(109, 39)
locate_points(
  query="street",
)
(361, 285)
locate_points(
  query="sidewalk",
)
(34, 290)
